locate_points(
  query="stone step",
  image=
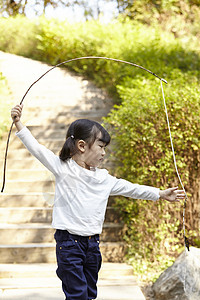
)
(122, 288)
(25, 200)
(23, 153)
(54, 144)
(92, 114)
(16, 163)
(34, 118)
(28, 174)
(31, 270)
(21, 215)
(95, 113)
(32, 200)
(17, 285)
(43, 136)
(115, 271)
(52, 127)
(24, 186)
(107, 290)
(45, 133)
(50, 143)
(46, 253)
(28, 253)
(44, 233)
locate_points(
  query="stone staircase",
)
(25, 212)
(27, 238)
(27, 248)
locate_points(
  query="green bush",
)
(18, 35)
(143, 154)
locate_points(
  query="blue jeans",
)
(79, 261)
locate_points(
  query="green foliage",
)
(18, 35)
(58, 42)
(140, 128)
(181, 17)
(143, 154)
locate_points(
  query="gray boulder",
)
(181, 281)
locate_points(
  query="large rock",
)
(181, 281)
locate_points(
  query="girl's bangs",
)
(105, 137)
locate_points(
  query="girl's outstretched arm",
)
(16, 113)
(128, 189)
(45, 156)
(172, 194)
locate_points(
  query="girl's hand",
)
(16, 113)
(172, 194)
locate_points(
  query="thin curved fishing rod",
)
(58, 65)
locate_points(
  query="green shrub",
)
(143, 154)
(18, 35)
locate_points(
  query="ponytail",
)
(68, 149)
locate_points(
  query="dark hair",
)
(82, 129)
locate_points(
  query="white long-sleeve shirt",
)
(81, 195)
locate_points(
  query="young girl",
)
(81, 196)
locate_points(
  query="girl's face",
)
(94, 155)
(90, 156)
